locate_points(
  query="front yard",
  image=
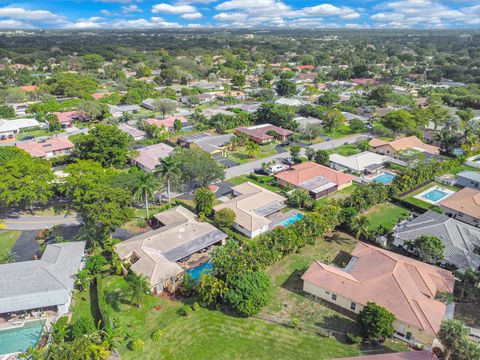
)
(387, 215)
(7, 240)
(345, 150)
(240, 154)
(268, 182)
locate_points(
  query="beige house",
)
(252, 204)
(395, 147)
(464, 205)
(407, 288)
(157, 254)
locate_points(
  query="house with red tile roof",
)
(29, 87)
(67, 117)
(406, 355)
(393, 148)
(53, 147)
(317, 179)
(363, 81)
(264, 133)
(167, 123)
(306, 67)
(406, 287)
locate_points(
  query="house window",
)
(327, 292)
(334, 297)
(353, 306)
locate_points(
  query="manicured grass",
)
(342, 131)
(268, 182)
(208, 334)
(342, 194)
(468, 313)
(81, 305)
(345, 150)
(387, 215)
(7, 240)
(460, 168)
(424, 205)
(36, 133)
(240, 154)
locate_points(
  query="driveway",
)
(32, 222)
(26, 246)
(247, 168)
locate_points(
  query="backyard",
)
(338, 195)
(387, 215)
(7, 240)
(410, 198)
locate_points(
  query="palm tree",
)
(144, 188)
(139, 286)
(251, 148)
(168, 170)
(8, 258)
(234, 142)
(361, 227)
(203, 200)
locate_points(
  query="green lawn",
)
(424, 205)
(209, 334)
(342, 194)
(7, 240)
(36, 133)
(345, 150)
(268, 182)
(459, 168)
(342, 131)
(387, 215)
(81, 305)
(240, 155)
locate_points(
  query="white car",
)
(276, 168)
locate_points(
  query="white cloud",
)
(13, 24)
(173, 9)
(230, 16)
(192, 16)
(131, 9)
(35, 15)
(90, 23)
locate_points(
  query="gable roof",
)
(404, 286)
(41, 283)
(460, 239)
(158, 250)
(168, 122)
(151, 156)
(469, 175)
(130, 130)
(68, 116)
(359, 162)
(465, 201)
(42, 149)
(304, 172)
(252, 205)
(260, 131)
(409, 142)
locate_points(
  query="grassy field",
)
(268, 182)
(459, 168)
(424, 205)
(208, 334)
(240, 154)
(345, 150)
(342, 131)
(342, 194)
(387, 215)
(35, 133)
(7, 240)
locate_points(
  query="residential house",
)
(13, 127)
(306, 121)
(252, 205)
(209, 113)
(137, 134)
(237, 95)
(363, 81)
(215, 145)
(21, 107)
(291, 102)
(464, 205)
(208, 86)
(264, 133)
(149, 103)
(365, 162)
(66, 118)
(317, 179)
(149, 157)
(249, 107)
(169, 122)
(29, 88)
(405, 287)
(306, 67)
(461, 240)
(406, 355)
(468, 179)
(198, 99)
(49, 148)
(159, 254)
(349, 117)
(395, 147)
(42, 284)
(118, 110)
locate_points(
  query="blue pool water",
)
(385, 178)
(197, 271)
(292, 219)
(435, 195)
(21, 338)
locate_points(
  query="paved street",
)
(249, 167)
(29, 222)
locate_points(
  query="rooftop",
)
(151, 156)
(466, 201)
(359, 162)
(307, 171)
(409, 142)
(42, 149)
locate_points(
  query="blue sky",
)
(91, 14)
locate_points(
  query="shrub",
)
(185, 311)
(224, 217)
(376, 322)
(188, 286)
(196, 306)
(83, 326)
(249, 292)
(295, 323)
(353, 339)
(157, 335)
(136, 345)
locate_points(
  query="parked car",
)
(288, 161)
(29, 137)
(276, 168)
(10, 136)
(4, 137)
(286, 143)
(261, 171)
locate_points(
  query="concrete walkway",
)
(251, 166)
(32, 222)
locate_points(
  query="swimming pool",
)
(384, 178)
(21, 338)
(195, 272)
(292, 219)
(435, 195)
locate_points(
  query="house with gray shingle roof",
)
(44, 283)
(469, 179)
(461, 240)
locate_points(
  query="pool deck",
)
(436, 187)
(279, 217)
